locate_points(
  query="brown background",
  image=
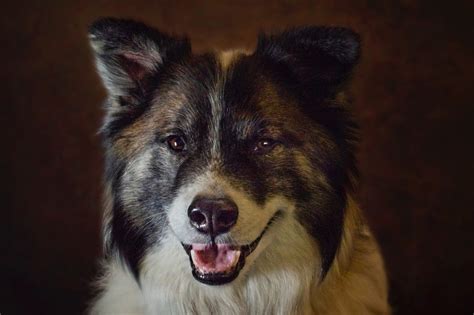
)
(413, 95)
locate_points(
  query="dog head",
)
(223, 150)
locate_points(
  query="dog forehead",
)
(228, 86)
(211, 94)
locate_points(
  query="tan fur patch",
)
(227, 57)
(163, 111)
(356, 283)
(306, 170)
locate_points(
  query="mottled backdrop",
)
(413, 99)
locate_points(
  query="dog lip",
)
(245, 250)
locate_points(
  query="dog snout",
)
(213, 216)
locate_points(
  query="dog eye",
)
(176, 143)
(264, 146)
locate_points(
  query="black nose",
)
(213, 216)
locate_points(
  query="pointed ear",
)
(129, 53)
(319, 58)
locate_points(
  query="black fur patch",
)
(318, 60)
(312, 64)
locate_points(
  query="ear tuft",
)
(129, 52)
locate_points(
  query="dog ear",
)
(319, 58)
(128, 54)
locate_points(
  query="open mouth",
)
(216, 264)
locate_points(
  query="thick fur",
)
(316, 254)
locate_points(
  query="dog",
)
(230, 177)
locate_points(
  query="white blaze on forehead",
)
(216, 98)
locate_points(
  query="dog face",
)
(221, 149)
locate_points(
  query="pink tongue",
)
(214, 258)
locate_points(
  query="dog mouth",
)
(216, 264)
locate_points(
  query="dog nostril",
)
(227, 218)
(197, 218)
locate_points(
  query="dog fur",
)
(269, 130)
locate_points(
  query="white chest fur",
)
(279, 281)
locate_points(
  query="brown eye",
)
(264, 145)
(176, 143)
